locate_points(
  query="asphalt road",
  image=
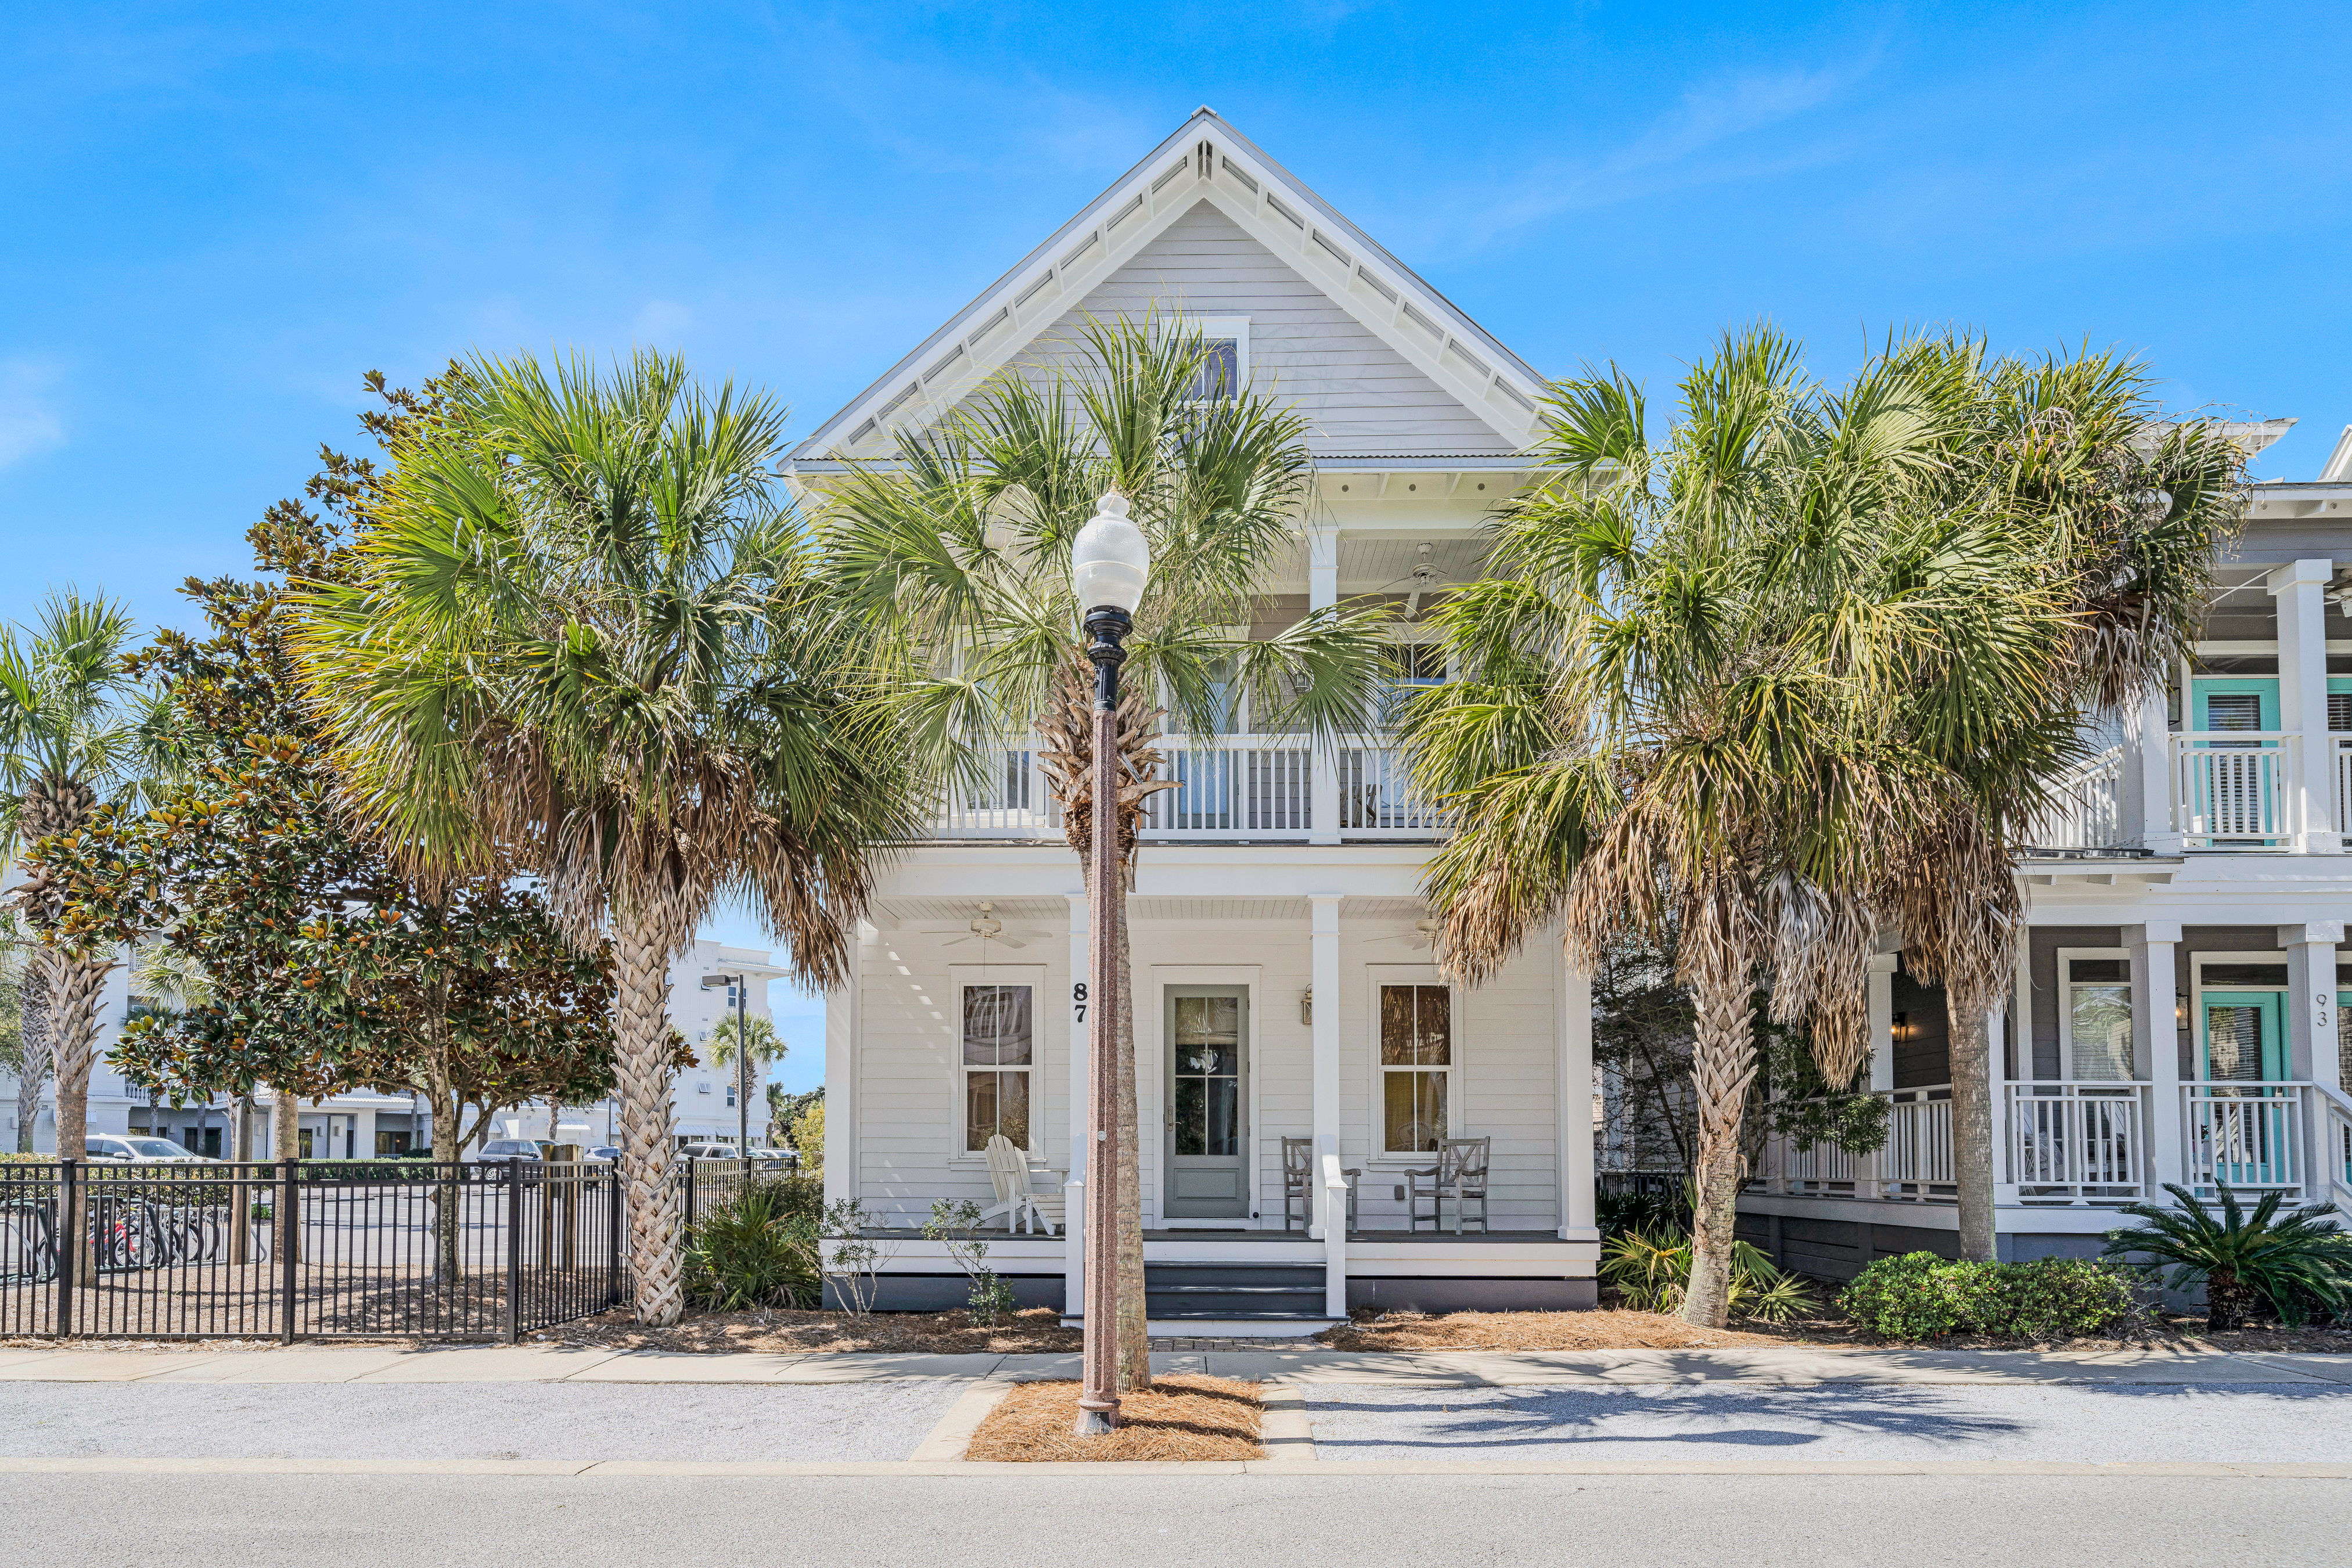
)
(1000, 1519)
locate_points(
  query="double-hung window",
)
(999, 1065)
(2098, 1017)
(1416, 1067)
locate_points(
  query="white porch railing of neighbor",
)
(2335, 1144)
(1233, 786)
(2075, 1142)
(2249, 1135)
(2086, 807)
(1913, 1165)
(2344, 787)
(1228, 787)
(1377, 798)
(2234, 789)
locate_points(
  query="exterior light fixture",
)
(1110, 559)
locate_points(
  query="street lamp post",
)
(742, 984)
(1110, 562)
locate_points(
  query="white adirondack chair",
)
(1008, 1172)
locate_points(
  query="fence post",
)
(514, 1249)
(286, 1226)
(612, 1253)
(67, 1243)
(689, 1193)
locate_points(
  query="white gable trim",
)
(1204, 161)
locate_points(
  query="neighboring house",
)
(2178, 1014)
(1276, 907)
(353, 1126)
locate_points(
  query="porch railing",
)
(2072, 1142)
(2249, 1135)
(1913, 1165)
(1009, 801)
(2344, 786)
(1377, 797)
(1233, 786)
(2086, 807)
(2234, 789)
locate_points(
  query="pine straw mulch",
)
(1185, 1418)
(1038, 1331)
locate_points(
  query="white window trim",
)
(2067, 957)
(1234, 327)
(1376, 1131)
(960, 975)
(2275, 957)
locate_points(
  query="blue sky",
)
(218, 216)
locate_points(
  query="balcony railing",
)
(2086, 807)
(2234, 789)
(2072, 1142)
(1227, 788)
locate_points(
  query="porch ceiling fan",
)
(986, 927)
(1422, 935)
(1425, 578)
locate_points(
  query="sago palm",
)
(70, 732)
(961, 545)
(583, 639)
(1683, 702)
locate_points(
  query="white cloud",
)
(28, 418)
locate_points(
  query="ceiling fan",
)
(1424, 934)
(1425, 578)
(986, 927)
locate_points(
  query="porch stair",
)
(1233, 1299)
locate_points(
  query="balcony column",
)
(1325, 1076)
(2311, 1043)
(1578, 1214)
(2151, 783)
(2300, 590)
(1323, 784)
(2156, 1047)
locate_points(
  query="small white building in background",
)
(355, 1126)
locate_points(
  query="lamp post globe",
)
(1110, 562)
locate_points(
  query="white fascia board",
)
(1009, 315)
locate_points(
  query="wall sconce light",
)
(2180, 1009)
(1306, 1005)
(1905, 1031)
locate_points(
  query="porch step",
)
(1234, 1291)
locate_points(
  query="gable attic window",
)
(1225, 370)
(1275, 203)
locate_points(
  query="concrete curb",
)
(590, 1469)
(951, 1438)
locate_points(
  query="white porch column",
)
(2303, 697)
(1578, 1216)
(1881, 1021)
(2151, 742)
(1323, 783)
(844, 1008)
(2311, 1046)
(1325, 972)
(2156, 1046)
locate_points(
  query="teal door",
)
(2244, 1131)
(2234, 790)
(2235, 702)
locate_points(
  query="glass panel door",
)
(1207, 1159)
(2243, 1043)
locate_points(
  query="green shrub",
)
(2296, 1263)
(1920, 1296)
(757, 1248)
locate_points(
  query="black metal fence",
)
(308, 1249)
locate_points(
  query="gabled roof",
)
(1204, 160)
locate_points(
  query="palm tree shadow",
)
(1550, 1416)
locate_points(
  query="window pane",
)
(1435, 1009)
(2099, 1018)
(2234, 711)
(995, 1026)
(1223, 1113)
(2100, 971)
(1414, 1111)
(995, 1102)
(1396, 1026)
(2234, 1044)
(1219, 372)
(1191, 1116)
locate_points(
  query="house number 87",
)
(1078, 1000)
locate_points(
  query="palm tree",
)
(1683, 710)
(68, 736)
(2118, 514)
(767, 1048)
(583, 640)
(961, 545)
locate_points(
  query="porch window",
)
(998, 1057)
(2099, 1017)
(1416, 1066)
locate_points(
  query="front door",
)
(2247, 1130)
(1207, 1160)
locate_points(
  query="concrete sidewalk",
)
(555, 1364)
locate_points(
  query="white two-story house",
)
(1275, 914)
(2177, 1015)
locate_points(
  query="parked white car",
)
(708, 1152)
(138, 1150)
(509, 1149)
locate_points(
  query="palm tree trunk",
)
(641, 950)
(1970, 1065)
(1723, 1064)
